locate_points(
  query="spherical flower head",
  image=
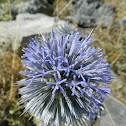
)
(67, 79)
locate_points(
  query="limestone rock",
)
(116, 115)
(90, 13)
(25, 26)
(33, 7)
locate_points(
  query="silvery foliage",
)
(67, 79)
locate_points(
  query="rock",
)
(117, 111)
(14, 33)
(33, 7)
(90, 1)
(113, 107)
(105, 14)
(50, 1)
(90, 13)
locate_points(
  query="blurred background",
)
(22, 19)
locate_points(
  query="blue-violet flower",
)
(67, 79)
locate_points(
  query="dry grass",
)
(61, 4)
(120, 7)
(6, 70)
(113, 41)
(10, 61)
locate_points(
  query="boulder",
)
(114, 113)
(90, 13)
(33, 7)
(14, 33)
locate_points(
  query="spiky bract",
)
(66, 80)
(66, 28)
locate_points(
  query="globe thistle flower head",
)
(66, 28)
(67, 79)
